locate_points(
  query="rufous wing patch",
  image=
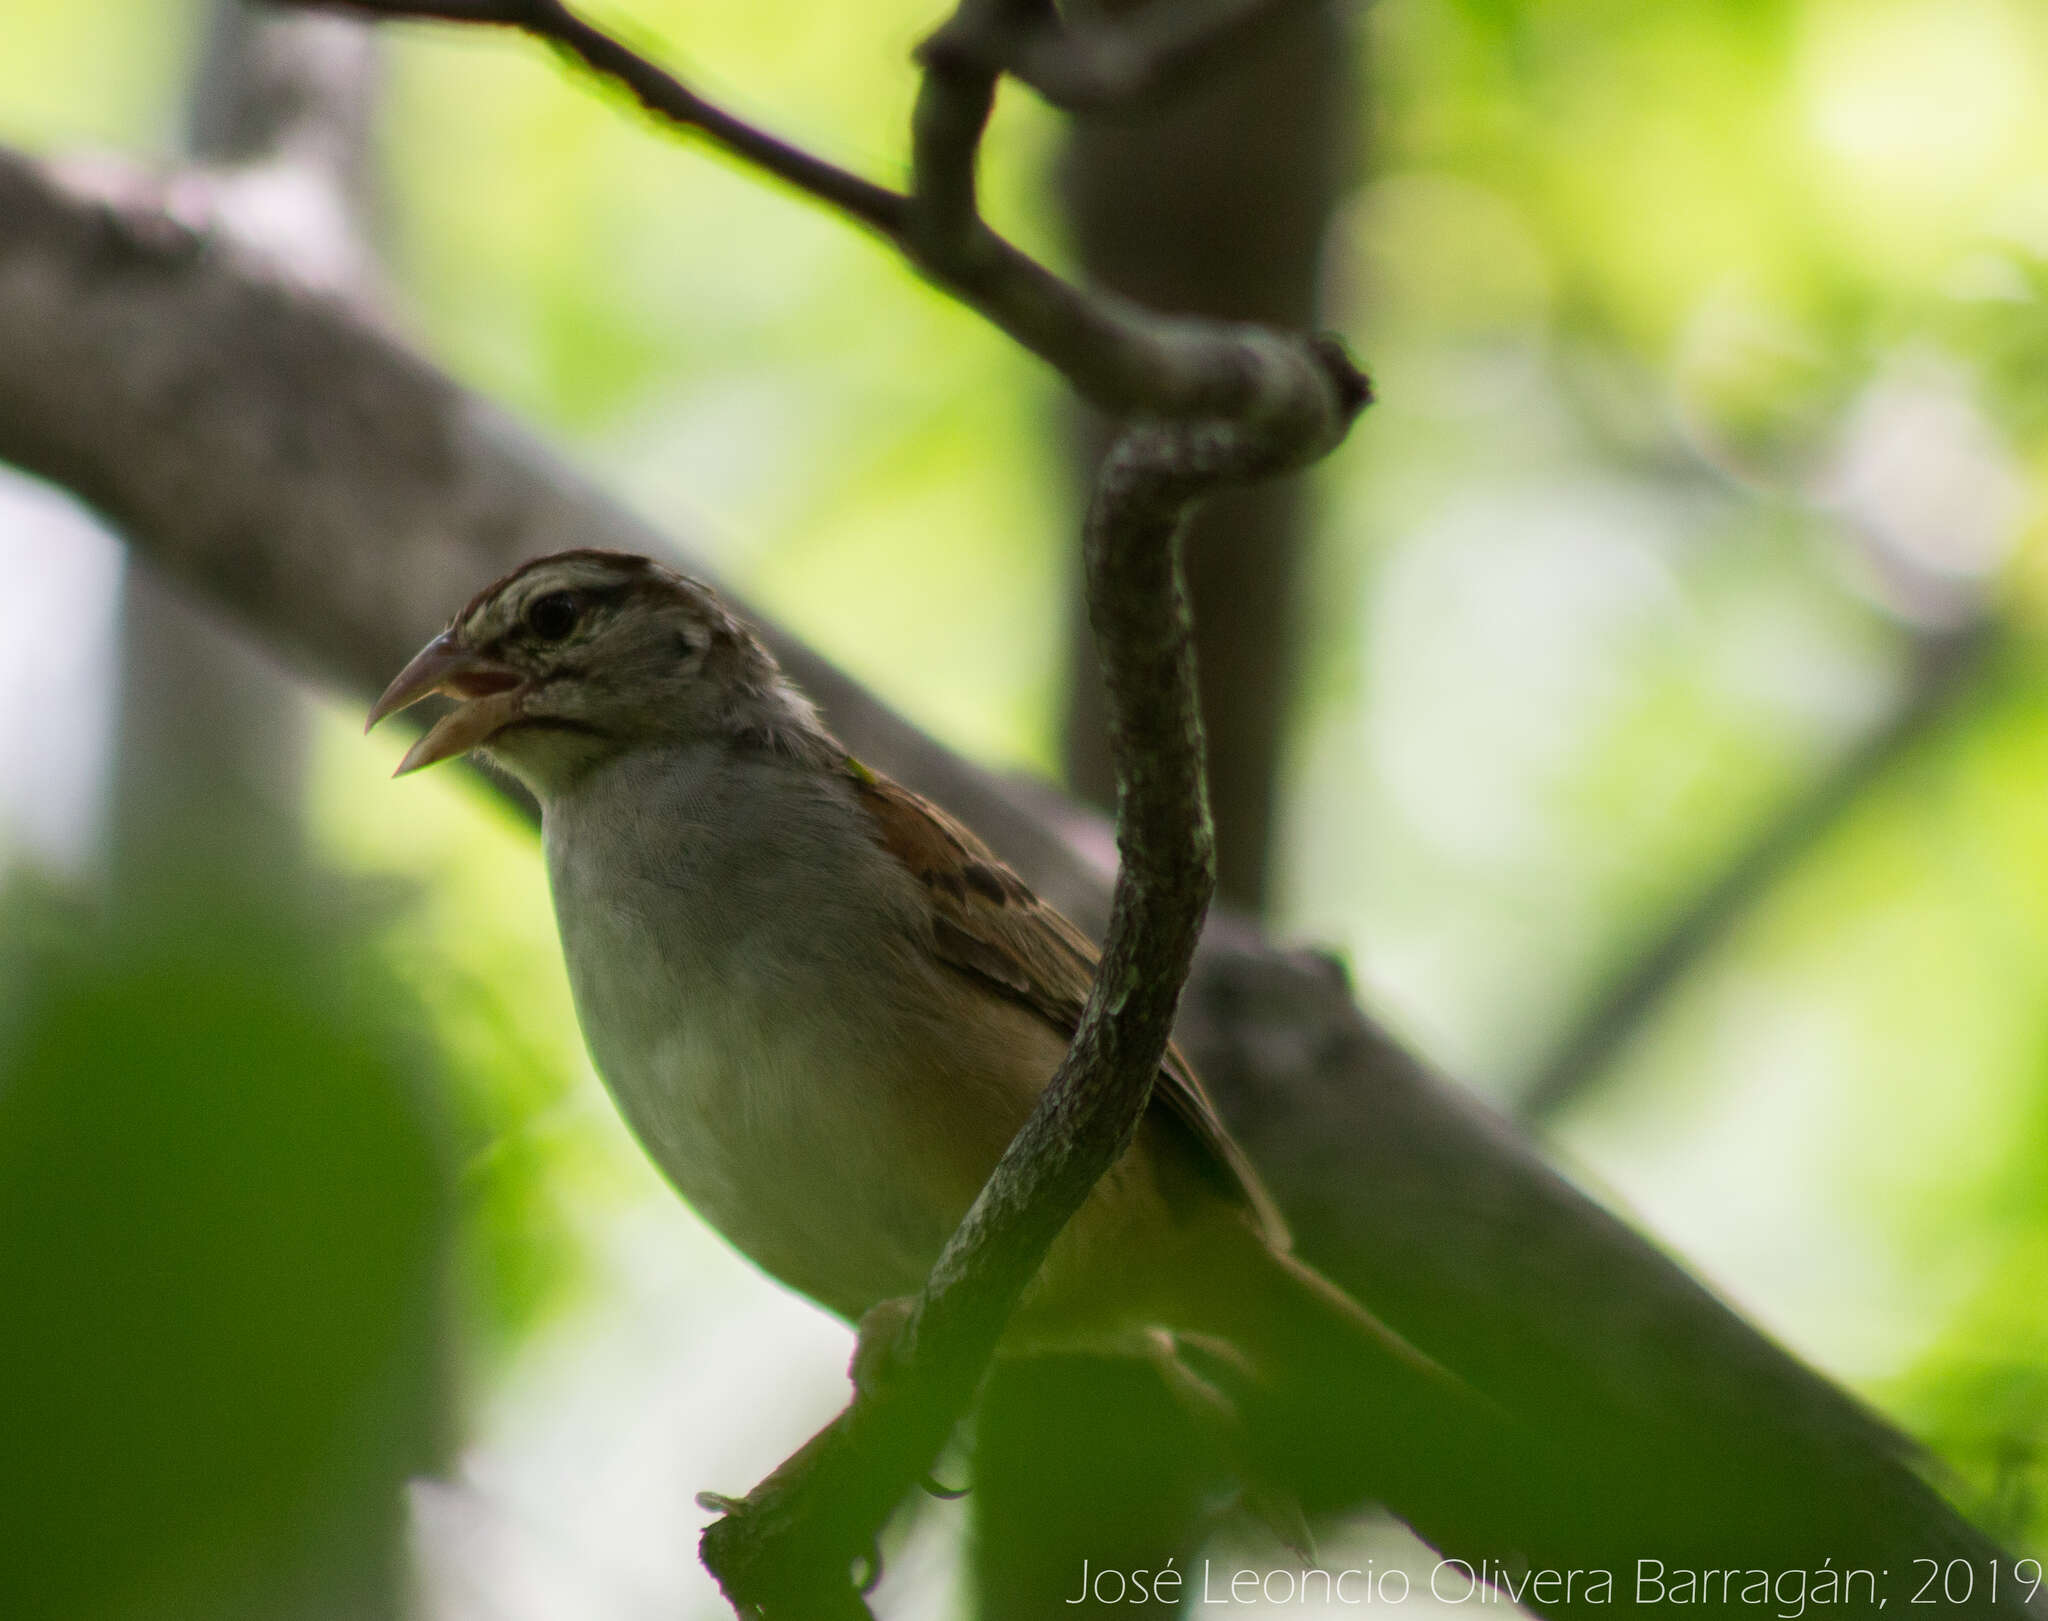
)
(987, 923)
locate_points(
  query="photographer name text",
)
(1785, 1595)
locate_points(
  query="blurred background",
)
(1650, 702)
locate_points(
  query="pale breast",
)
(746, 980)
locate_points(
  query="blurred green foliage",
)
(224, 1229)
(469, 933)
(1711, 342)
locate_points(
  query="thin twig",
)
(954, 100)
(1121, 358)
(660, 93)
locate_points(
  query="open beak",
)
(493, 697)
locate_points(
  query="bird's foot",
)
(876, 1341)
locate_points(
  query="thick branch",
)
(292, 467)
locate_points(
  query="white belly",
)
(758, 1047)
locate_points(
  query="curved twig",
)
(1208, 403)
(780, 1553)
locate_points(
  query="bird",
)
(824, 1006)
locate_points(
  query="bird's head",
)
(585, 655)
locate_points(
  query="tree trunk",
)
(1218, 204)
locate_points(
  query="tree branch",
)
(290, 465)
(1117, 355)
(826, 1506)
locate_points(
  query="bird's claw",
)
(869, 1578)
(876, 1341)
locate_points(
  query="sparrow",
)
(824, 1007)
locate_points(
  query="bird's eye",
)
(553, 616)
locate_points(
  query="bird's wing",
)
(987, 923)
